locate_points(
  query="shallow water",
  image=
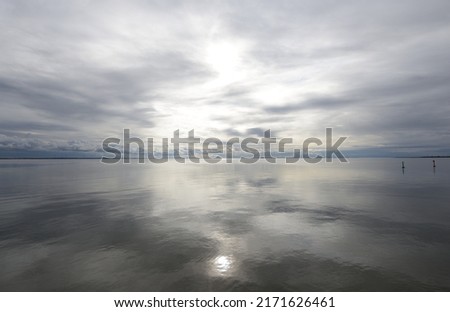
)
(79, 225)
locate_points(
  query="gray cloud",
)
(377, 72)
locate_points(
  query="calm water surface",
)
(79, 225)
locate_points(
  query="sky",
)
(74, 73)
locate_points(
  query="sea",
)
(365, 225)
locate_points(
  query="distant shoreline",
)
(429, 157)
(98, 158)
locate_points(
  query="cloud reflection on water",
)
(190, 228)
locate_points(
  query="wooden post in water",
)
(434, 163)
(403, 165)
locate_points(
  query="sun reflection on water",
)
(223, 264)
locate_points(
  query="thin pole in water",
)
(403, 165)
(434, 163)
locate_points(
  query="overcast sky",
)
(74, 73)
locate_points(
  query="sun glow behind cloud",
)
(225, 60)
